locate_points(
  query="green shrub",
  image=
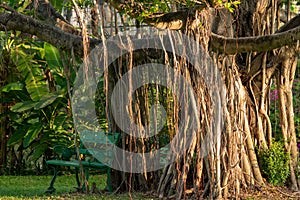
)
(274, 163)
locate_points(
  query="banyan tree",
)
(192, 81)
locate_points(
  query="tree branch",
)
(51, 34)
(46, 12)
(286, 35)
(256, 44)
(67, 41)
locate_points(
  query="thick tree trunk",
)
(232, 165)
(249, 126)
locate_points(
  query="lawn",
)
(33, 187)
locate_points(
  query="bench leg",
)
(51, 188)
(108, 181)
(86, 172)
(77, 178)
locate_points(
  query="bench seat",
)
(75, 163)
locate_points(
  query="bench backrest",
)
(100, 145)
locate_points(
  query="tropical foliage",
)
(40, 113)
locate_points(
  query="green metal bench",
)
(93, 145)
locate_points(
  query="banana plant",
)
(40, 116)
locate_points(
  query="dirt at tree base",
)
(270, 192)
(264, 193)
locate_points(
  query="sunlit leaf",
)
(52, 56)
(59, 121)
(12, 86)
(24, 5)
(35, 82)
(46, 100)
(23, 106)
(33, 120)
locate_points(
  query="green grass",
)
(33, 187)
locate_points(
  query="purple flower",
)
(273, 95)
